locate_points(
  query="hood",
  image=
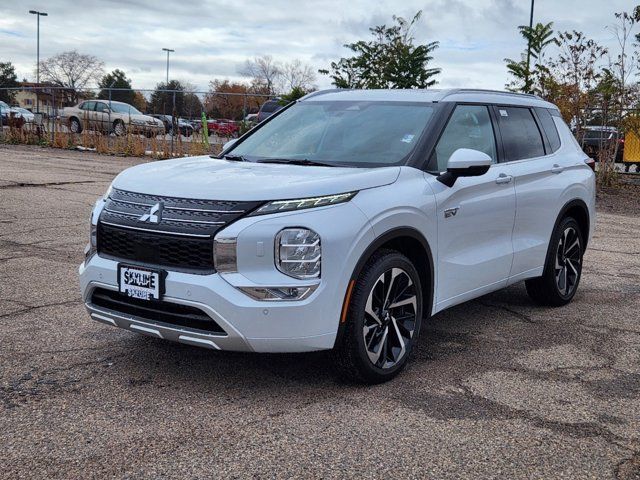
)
(141, 118)
(212, 179)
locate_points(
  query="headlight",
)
(298, 253)
(137, 122)
(300, 203)
(92, 246)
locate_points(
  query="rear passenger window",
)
(520, 134)
(469, 127)
(549, 127)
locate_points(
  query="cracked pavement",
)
(498, 387)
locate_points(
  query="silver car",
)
(107, 117)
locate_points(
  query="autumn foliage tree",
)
(227, 99)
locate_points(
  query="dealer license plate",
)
(140, 283)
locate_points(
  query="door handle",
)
(557, 168)
(503, 178)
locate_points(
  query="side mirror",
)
(465, 162)
(229, 144)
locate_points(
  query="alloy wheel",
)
(390, 318)
(568, 261)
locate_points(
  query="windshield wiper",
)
(295, 161)
(235, 158)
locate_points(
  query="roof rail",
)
(323, 92)
(494, 92)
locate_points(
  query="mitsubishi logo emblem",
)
(154, 215)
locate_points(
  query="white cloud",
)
(213, 38)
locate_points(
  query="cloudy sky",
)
(212, 38)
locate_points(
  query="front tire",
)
(118, 128)
(75, 126)
(563, 268)
(383, 320)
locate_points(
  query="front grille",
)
(171, 314)
(151, 248)
(170, 232)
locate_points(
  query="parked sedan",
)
(184, 127)
(107, 117)
(223, 128)
(6, 112)
(28, 116)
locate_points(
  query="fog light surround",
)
(279, 294)
(225, 255)
(298, 253)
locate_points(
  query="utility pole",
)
(527, 78)
(38, 14)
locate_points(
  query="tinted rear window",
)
(270, 107)
(520, 134)
(549, 127)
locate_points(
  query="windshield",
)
(124, 108)
(366, 134)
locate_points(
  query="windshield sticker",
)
(503, 113)
(407, 138)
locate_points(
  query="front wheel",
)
(74, 125)
(563, 267)
(119, 128)
(382, 322)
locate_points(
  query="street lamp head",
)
(35, 12)
(168, 50)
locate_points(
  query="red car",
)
(223, 128)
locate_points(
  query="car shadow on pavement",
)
(459, 335)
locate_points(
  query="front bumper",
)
(249, 325)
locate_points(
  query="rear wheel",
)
(383, 320)
(563, 267)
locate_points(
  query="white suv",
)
(343, 222)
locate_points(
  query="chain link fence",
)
(160, 123)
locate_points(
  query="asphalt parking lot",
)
(498, 388)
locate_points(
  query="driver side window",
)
(469, 127)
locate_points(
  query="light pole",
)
(526, 82)
(168, 50)
(38, 14)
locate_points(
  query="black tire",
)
(119, 128)
(75, 126)
(563, 267)
(355, 351)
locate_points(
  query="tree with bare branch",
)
(72, 70)
(297, 75)
(263, 70)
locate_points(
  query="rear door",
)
(531, 144)
(475, 216)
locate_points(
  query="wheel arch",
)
(411, 243)
(577, 209)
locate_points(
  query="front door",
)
(475, 216)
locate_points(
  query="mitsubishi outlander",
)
(343, 222)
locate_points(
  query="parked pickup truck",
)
(107, 117)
